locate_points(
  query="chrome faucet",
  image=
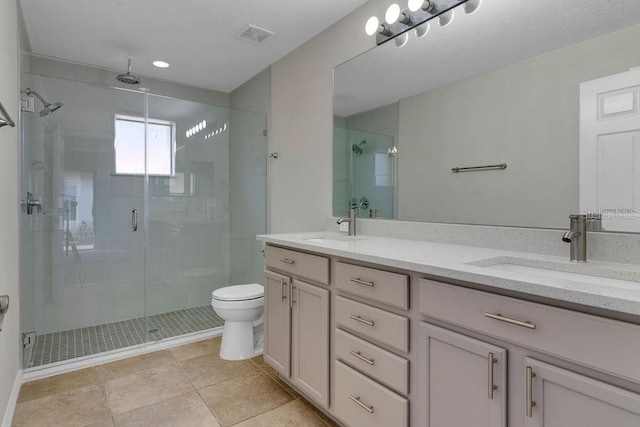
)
(577, 237)
(351, 220)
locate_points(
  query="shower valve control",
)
(28, 104)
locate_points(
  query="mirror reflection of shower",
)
(48, 107)
(357, 148)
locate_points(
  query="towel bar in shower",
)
(479, 168)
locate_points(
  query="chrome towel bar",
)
(479, 168)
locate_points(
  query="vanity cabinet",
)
(296, 341)
(558, 397)
(467, 380)
(542, 394)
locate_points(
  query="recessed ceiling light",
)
(161, 64)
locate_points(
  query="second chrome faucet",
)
(577, 237)
(351, 220)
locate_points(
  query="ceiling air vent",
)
(254, 34)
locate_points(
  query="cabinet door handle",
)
(361, 320)
(500, 317)
(282, 292)
(287, 261)
(356, 399)
(134, 219)
(491, 362)
(530, 403)
(291, 301)
(361, 282)
(361, 357)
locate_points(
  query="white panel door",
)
(610, 150)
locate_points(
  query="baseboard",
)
(13, 400)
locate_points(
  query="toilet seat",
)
(239, 292)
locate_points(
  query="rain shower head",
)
(357, 148)
(48, 107)
(129, 78)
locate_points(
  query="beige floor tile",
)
(146, 387)
(47, 386)
(197, 349)
(185, 410)
(244, 397)
(131, 365)
(78, 407)
(294, 414)
(259, 361)
(102, 423)
(325, 418)
(211, 369)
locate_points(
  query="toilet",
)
(241, 308)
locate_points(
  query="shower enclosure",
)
(149, 204)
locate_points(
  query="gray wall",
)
(10, 335)
(302, 122)
(525, 114)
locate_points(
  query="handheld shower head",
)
(128, 78)
(48, 107)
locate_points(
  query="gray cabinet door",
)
(310, 340)
(464, 380)
(277, 322)
(560, 398)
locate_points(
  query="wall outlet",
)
(344, 226)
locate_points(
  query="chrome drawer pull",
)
(361, 357)
(502, 318)
(530, 403)
(288, 261)
(361, 320)
(356, 399)
(492, 387)
(361, 282)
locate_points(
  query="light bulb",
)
(393, 13)
(371, 26)
(415, 5)
(402, 39)
(423, 29)
(446, 18)
(471, 6)
(204, 124)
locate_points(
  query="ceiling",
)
(195, 36)
(501, 32)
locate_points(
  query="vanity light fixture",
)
(416, 16)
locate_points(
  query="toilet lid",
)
(239, 292)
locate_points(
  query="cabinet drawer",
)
(362, 402)
(381, 365)
(607, 345)
(379, 325)
(389, 288)
(312, 267)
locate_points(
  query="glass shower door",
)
(82, 261)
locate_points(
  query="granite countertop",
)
(619, 291)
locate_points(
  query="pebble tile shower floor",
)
(65, 345)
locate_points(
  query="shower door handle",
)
(134, 219)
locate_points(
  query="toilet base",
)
(241, 341)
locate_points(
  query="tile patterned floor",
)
(184, 386)
(65, 345)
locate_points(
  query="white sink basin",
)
(332, 239)
(575, 272)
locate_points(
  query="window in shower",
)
(129, 146)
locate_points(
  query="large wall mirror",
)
(550, 88)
